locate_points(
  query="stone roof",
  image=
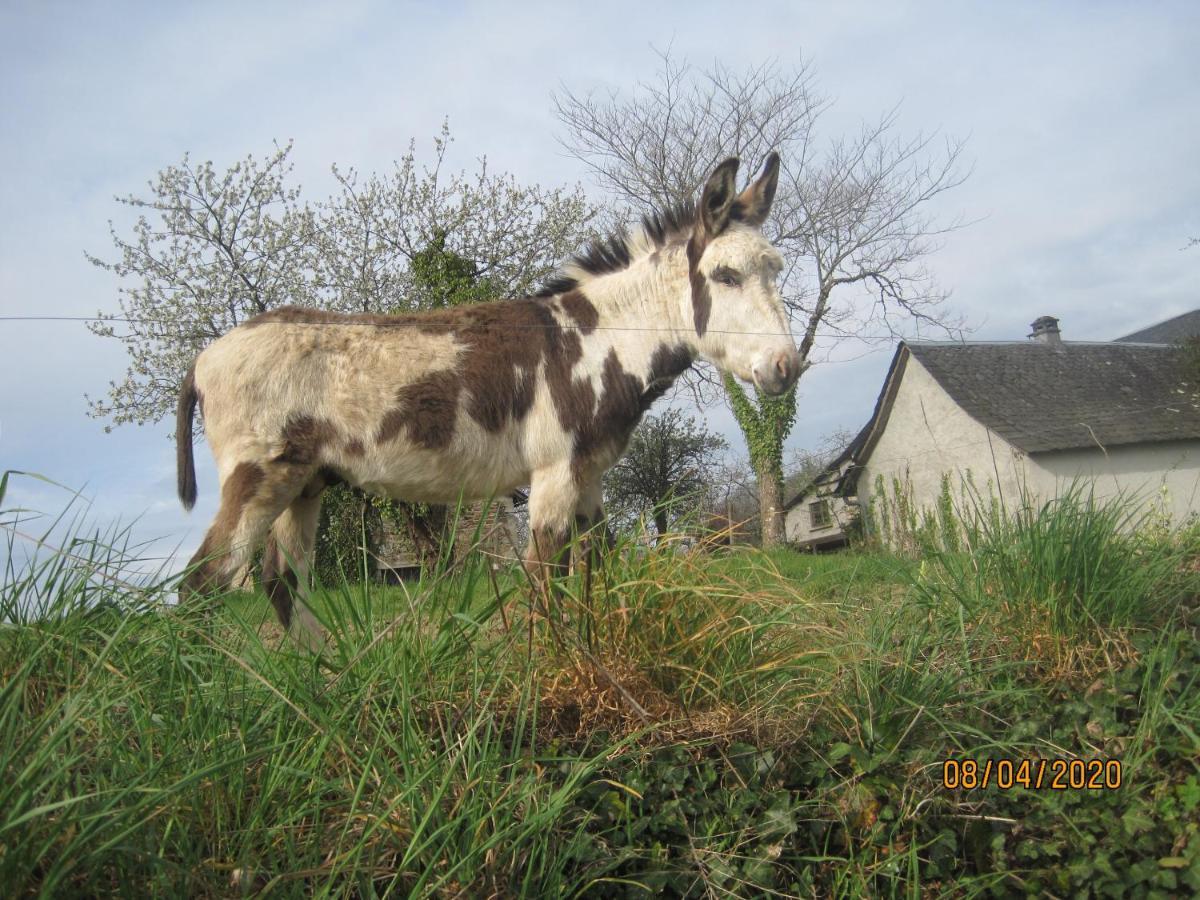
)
(1040, 397)
(1172, 331)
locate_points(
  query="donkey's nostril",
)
(778, 372)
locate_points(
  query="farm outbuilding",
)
(1019, 420)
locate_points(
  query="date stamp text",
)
(1034, 774)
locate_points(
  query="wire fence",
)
(416, 320)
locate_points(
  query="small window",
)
(819, 514)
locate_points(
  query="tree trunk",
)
(770, 501)
(765, 422)
(660, 525)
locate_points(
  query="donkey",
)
(475, 401)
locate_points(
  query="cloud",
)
(1080, 121)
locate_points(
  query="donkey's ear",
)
(719, 194)
(755, 201)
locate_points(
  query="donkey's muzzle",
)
(778, 372)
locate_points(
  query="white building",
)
(1033, 416)
(821, 515)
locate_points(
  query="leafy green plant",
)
(1085, 561)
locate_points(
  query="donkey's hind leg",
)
(288, 561)
(252, 496)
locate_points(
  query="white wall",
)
(928, 434)
(797, 524)
(1141, 470)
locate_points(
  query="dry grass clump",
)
(674, 645)
(613, 697)
(1026, 633)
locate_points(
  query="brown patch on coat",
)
(574, 398)
(623, 402)
(624, 397)
(576, 305)
(236, 493)
(503, 354)
(354, 447)
(304, 437)
(701, 298)
(618, 413)
(426, 408)
(607, 422)
(666, 364)
(496, 377)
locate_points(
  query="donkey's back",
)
(428, 407)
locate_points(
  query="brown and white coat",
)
(474, 401)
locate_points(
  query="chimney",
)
(1045, 331)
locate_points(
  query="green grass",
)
(728, 724)
(1088, 564)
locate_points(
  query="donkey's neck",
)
(645, 302)
(637, 336)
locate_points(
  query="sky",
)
(1081, 120)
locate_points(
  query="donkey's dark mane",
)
(615, 252)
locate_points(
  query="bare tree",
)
(852, 214)
(211, 249)
(733, 501)
(804, 465)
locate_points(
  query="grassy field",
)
(695, 724)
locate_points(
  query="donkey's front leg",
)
(553, 497)
(590, 524)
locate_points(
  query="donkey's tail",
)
(185, 465)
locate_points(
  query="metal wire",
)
(417, 322)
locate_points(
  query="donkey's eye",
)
(727, 277)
